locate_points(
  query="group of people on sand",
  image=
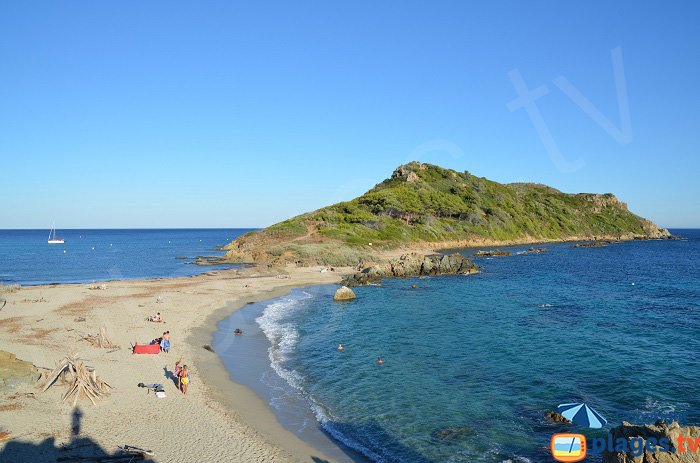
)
(181, 372)
(164, 342)
(183, 376)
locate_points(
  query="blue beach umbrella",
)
(582, 415)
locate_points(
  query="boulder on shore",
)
(15, 372)
(638, 437)
(344, 294)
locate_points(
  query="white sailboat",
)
(53, 239)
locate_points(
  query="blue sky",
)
(231, 114)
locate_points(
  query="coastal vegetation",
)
(423, 205)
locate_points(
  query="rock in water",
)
(413, 265)
(555, 417)
(14, 372)
(344, 294)
(492, 253)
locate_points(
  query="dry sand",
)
(217, 420)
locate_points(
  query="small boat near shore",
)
(53, 239)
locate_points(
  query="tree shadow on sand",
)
(79, 449)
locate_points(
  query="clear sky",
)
(239, 114)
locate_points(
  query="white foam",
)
(284, 336)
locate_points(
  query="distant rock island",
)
(423, 207)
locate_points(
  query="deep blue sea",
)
(97, 255)
(472, 363)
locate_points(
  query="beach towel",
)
(146, 349)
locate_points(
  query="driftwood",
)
(101, 340)
(82, 380)
(96, 286)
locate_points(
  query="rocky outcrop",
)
(593, 244)
(407, 172)
(15, 372)
(413, 265)
(535, 251)
(344, 294)
(601, 201)
(555, 417)
(492, 253)
(647, 437)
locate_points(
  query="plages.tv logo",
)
(568, 448)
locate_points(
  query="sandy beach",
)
(217, 420)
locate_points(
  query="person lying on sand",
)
(155, 318)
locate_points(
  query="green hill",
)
(423, 205)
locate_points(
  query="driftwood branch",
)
(101, 340)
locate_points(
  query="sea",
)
(471, 364)
(101, 255)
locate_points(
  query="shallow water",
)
(98, 255)
(471, 363)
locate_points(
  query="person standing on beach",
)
(165, 342)
(183, 379)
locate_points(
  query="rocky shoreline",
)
(648, 436)
(412, 264)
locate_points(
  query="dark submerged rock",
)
(452, 433)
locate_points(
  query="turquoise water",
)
(471, 363)
(98, 255)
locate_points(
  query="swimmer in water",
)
(380, 361)
(340, 347)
